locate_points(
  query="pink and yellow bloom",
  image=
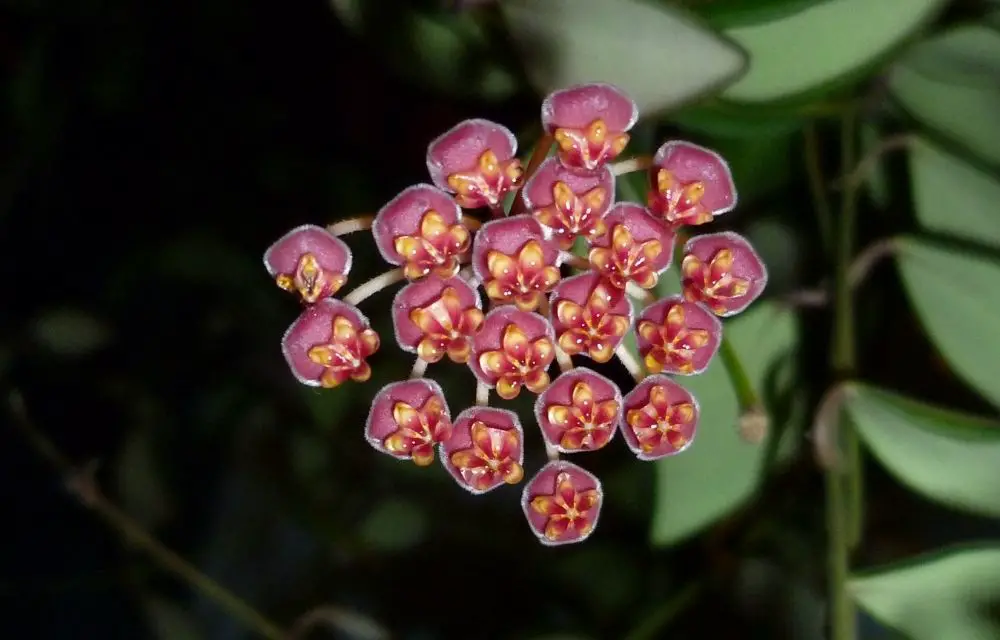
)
(562, 503)
(579, 411)
(309, 261)
(723, 272)
(328, 344)
(421, 229)
(475, 160)
(590, 123)
(485, 449)
(660, 418)
(408, 420)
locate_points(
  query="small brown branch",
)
(861, 267)
(82, 485)
(537, 157)
(870, 160)
(350, 225)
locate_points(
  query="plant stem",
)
(738, 377)
(638, 163)
(843, 357)
(367, 289)
(843, 481)
(817, 188)
(82, 485)
(537, 156)
(358, 223)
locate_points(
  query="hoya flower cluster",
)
(502, 297)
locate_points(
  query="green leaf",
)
(809, 49)
(719, 118)
(957, 299)
(953, 197)
(948, 594)
(967, 55)
(947, 456)
(731, 13)
(721, 471)
(948, 83)
(657, 54)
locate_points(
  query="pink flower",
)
(562, 503)
(485, 450)
(677, 337)
(475, 159)
(421, 229)
(407, 419)
(328, 344)
(590, 316)
(435, 317)
(722, 271)
(513, 349)
(690, 184)
(515, 262)
(579, 411)
(637, 247)
(589, 123)
(660, 418)
(310, 261)
(571, 205)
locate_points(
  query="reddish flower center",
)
(712, 283)
(491, 459)
(679, 202)
(437, 247)
(672, 344)
(585, 423)
(447, 327)
(592, 327)
(310, 280)
(659, 423)
(590, 147)
(487, 183)
(418, 430)
(344, 356)
(570, 215)
(567, 510)
(522, 279)
(519, 361)
(627, 259)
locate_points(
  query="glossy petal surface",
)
(562, 503)
(579, 411)
(485, 449)
(660, 418)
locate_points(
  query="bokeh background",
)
(152, 151)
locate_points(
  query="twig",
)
(861, 267)
(639, 163)
(358, 223)
(537, 157)
(863, 169)
(82, 485)
(367, 289)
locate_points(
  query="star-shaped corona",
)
(518, 362)
(594, 327)
(475, 160)
(562, 503)
(660, 418)
(522, 279)
(677, 337)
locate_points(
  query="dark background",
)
(152, 152)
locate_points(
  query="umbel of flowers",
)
(508, 299)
